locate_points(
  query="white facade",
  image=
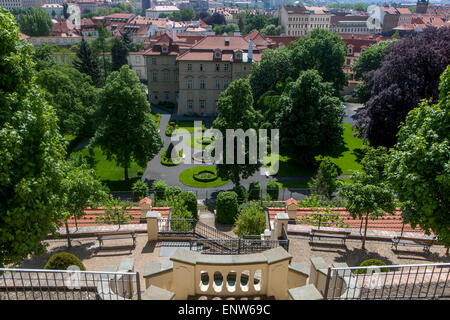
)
(11, 4)
(156, 11)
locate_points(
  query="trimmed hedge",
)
(197, 177)
(371, 262)
(273, 189)
(226, 207)
(241, 194)
(171, 162)
(173, 191)
(254, 191)
(159, 190)
(63, 260)
(190, 201)
(140, 190)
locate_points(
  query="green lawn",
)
(300, 184)
(187, 125)
(346, 161)
(111, 174)
(186, 178)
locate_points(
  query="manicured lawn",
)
(193, 142)
(188, 125)
(187, 178)
(111, 174)
(346, 161)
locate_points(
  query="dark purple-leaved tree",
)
(409, 73)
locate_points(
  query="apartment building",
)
(349, 24)
(191, 71)
(300, 20)
(11, 4)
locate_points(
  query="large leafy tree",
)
(119, 53)
(36, 23)
(126, 130)
(408, 73)
(419, 169)
(235, 108)
(73, 96)
(369, 195)
(310, 119)
(32, 152)
(275, 63)
(87, 62)
(323, 51)
(43, 57)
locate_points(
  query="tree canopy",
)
(408, 73)
(419, 168)
(72, 95)
(310, 119)
(323, 51)
(369, 193)
(87, 62)
(35, 23)
(119, 53)
(31, 160)
(126, 130)
(235, 108)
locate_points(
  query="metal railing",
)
(208, 239)
(392, 282)
(39, 284)
(233, 246)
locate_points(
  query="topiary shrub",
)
(159, 190)
(251, 220)
(371, 262)
(273, 189)
(205, 176)
(169, 162)
(173, 191)
(241, 194)
(63, 260)
(140, 190)
(190, 200)
(254, 191)
(226, 207)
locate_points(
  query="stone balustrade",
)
(192, 274)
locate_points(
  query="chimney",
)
(250, 50)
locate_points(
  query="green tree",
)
(126, 130)
(116, 212)
(235, 108)
(32, 153)
(251, 220)
(273, 62)
(35, 23)
(87, 62)
(82, 189)
(159, 188)
(190, 200)
(310, 119)
(73, 96)
(325, 183)
(66, 15)
(323, 51)
(273, 189)
(226, 207)
(419, 168)
(371, 58)
(271, 30)
(369, 194)
(119, 53)
(43, 56)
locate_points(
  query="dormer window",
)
(217, 54)
(238, 55)
(164, 49)
(350, 50)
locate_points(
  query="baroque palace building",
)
(190, 71)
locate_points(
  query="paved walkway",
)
(156, 171)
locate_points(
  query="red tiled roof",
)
(91, 214)
(291, 201)
(388, 222)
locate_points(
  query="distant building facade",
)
(300, 20)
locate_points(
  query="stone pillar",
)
(281, 219)
(267, 235)
(152, 225)
(318, 273)
(145, 205)
(291, 208)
